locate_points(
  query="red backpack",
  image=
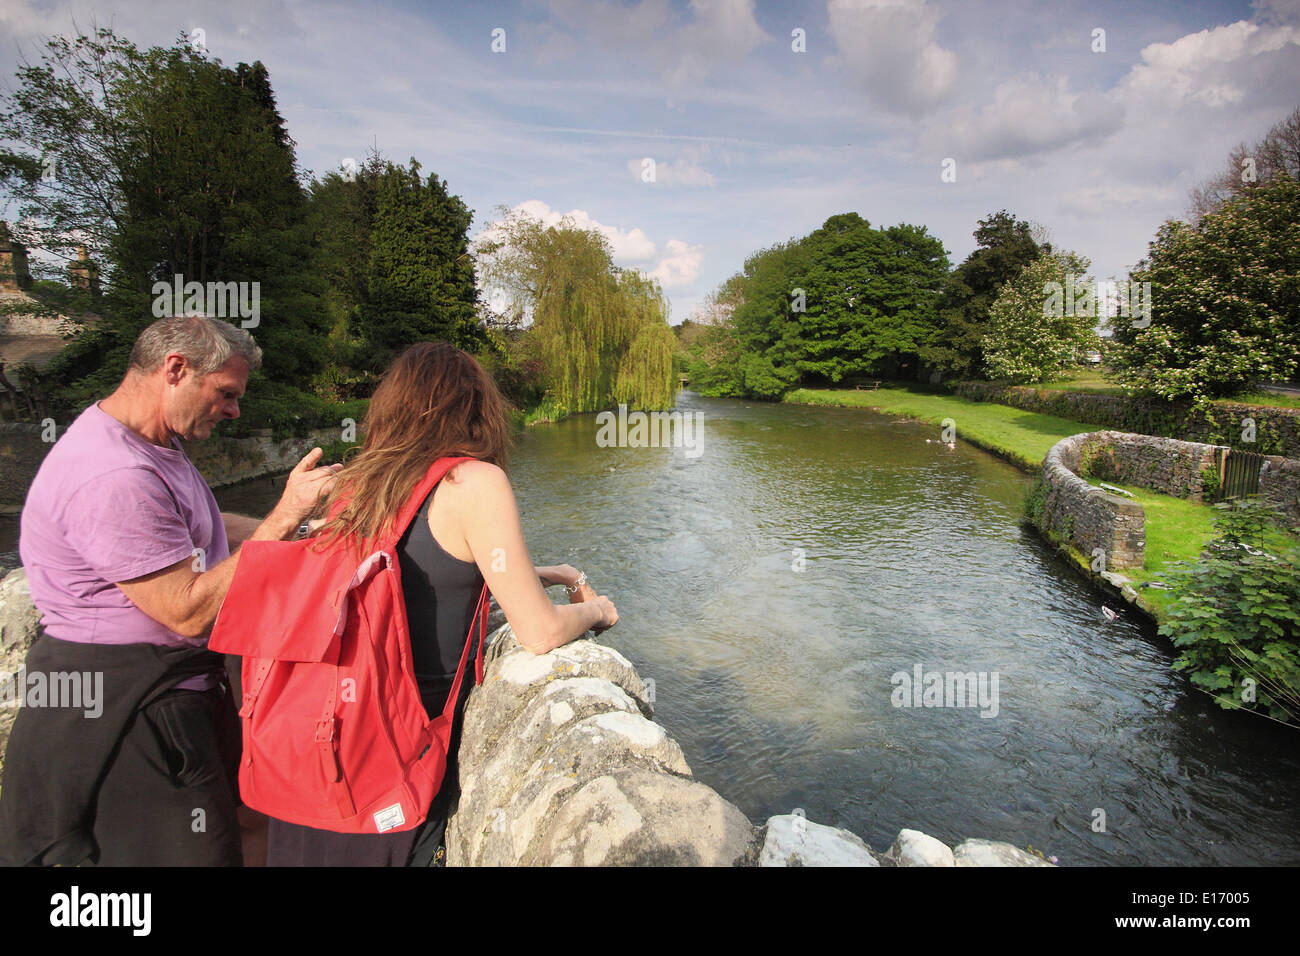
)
(335, 735)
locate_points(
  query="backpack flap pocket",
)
(287, 602)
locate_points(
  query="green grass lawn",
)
(1019, 436)
(1176, 530)
(1274, 399)
(1094, 379)
(1089, 379)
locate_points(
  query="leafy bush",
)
(1033, 336)
(1224, 300)
(1210, 483)
(1236, 616)
(289, 411)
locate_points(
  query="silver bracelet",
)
(582, 580)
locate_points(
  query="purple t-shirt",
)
(108, 506)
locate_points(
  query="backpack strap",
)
(480, 619)
(388, 542)
(261, 667)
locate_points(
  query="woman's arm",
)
(481, 495)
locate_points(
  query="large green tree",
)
(599, 333)
(1224, 300)
(420, 280)
(164, 163)
(1005, 246)
(1041, 320)
(848, 299)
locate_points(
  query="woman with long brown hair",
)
(435, 402)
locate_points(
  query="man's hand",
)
(304, 490)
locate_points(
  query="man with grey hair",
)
(129, 558)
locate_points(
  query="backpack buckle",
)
(325, 731)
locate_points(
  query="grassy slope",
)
(1021, 437)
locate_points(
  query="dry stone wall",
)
(1086, 516)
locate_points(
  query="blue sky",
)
(752, 141)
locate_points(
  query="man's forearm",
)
(277, 526)
(239, 528)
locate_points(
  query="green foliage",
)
(420, 279)
(509, 358)
(547, 412)
(288, 410)
(165, 163)
(846, 300)
(1035, 504)
(1210, 482)
(1236, 616)
(1225, 300)
(1005, 246)
(599, 334)
(1035, 332)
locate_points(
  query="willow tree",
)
(600, 332)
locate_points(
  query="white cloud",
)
(647, 33)
(889, 46)
(681, 266)
(1028, 114)
(1216, 67)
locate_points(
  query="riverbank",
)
(1177, 530)
(1022, 438)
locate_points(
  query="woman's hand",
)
(608, 613)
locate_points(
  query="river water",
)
(773, 585)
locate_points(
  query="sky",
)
(758, 120)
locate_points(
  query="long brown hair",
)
(435, 401)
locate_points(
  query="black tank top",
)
(441, 594)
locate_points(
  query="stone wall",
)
(1277, 430)
(227, 461)
(1279, 485)
(221, 460)
(561, 764)
(1086, 516)
(1166, 465)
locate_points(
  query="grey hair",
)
(206, 343)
